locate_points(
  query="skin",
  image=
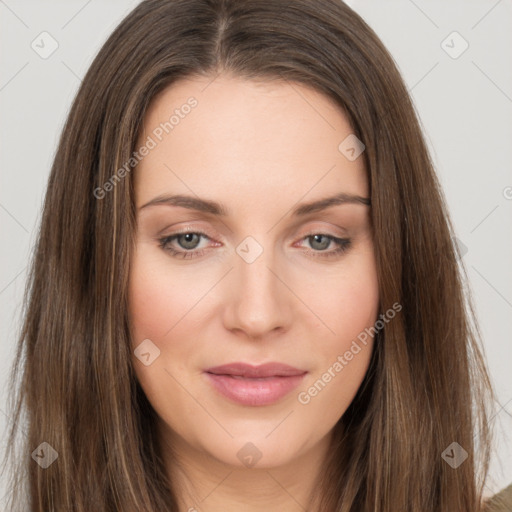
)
(260, 148)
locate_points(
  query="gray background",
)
(464, 103)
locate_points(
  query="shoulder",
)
(500, 502)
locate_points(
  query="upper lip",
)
(250, 371)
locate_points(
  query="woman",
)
(244, 292)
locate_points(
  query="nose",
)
(258, 302)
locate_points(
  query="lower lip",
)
(246, 391)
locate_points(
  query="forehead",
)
(254, 141)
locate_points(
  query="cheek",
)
(348, 302)
(157, 301)
(155, 306)
(150, 303)
(355, 309)
(158, 298)
(350, 306)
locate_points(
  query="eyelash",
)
(343, 244)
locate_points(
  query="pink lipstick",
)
(254, 385)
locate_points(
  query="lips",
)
(250, 372)
(254, 385)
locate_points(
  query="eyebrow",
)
(214, 208)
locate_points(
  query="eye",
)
(321, 241)
(188, 241)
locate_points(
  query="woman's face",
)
(263, 275)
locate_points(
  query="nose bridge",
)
(258, 299)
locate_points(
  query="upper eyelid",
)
(342, 232)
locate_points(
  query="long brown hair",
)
(74, 387)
